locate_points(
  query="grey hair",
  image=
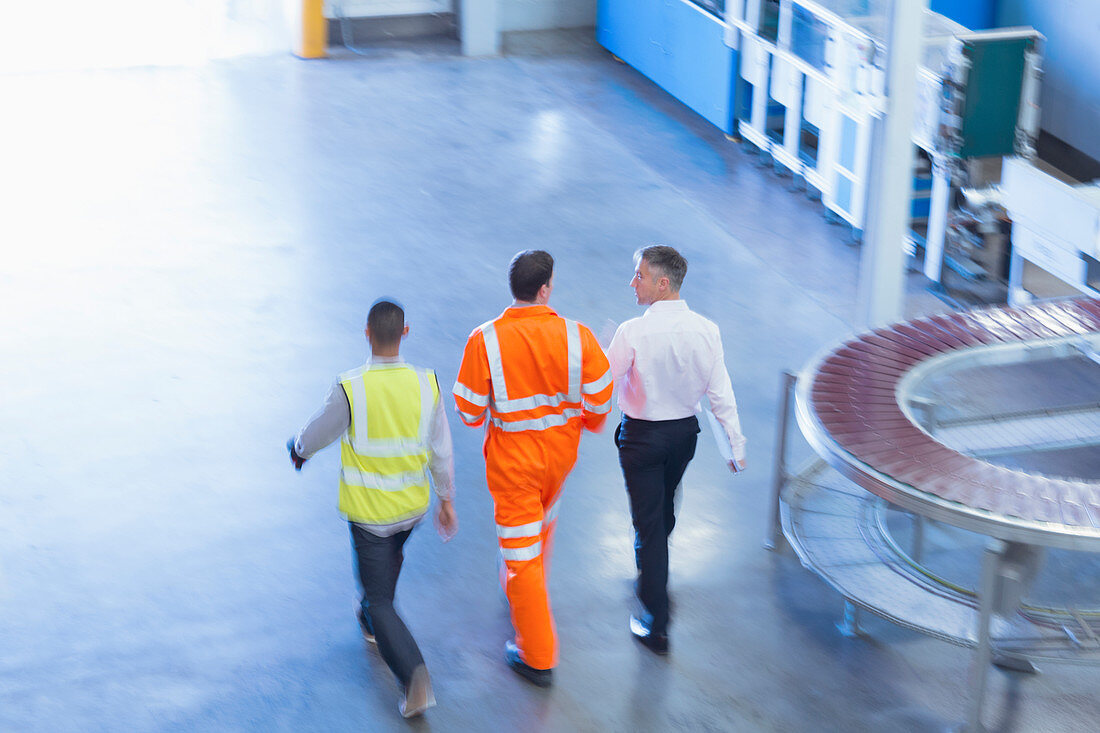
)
(666, 261)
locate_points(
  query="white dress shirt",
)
(665, 361)
(333, 419)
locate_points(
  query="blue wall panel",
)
(678, 46)
(634, 31)
(976, 15)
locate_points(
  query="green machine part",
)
(994, 86)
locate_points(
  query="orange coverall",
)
(539, 379)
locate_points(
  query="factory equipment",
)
(811, 88)
(682, 45)
(866, 409)
(1055, 226)
(980, 109)
(976, 239)
(803, 82)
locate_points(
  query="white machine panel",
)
(754, 64)
(784, 82)
(1049, 254)
(1068, 216)
(815, 106)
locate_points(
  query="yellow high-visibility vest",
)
(384, 452)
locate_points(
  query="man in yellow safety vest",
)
(394, 443)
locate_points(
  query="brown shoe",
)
(418, 694)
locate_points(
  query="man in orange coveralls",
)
(540, 379)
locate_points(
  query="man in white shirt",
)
(664, 362)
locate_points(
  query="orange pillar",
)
(312, 31)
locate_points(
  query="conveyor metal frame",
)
(1003, 575)
(976, 520)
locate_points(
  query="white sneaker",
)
(418, 695)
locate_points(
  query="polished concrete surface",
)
(188, 259)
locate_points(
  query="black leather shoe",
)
(540, 677)
(656, 643)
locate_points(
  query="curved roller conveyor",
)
(859, 406)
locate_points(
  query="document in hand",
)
(721, 439)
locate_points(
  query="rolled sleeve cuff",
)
(737, 448)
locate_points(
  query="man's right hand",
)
(736, 466)
(294, 457)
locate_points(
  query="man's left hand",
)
(446, 520)
(294, 457)
(736, 466)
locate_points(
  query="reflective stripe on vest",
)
(576, 358)
(593, 388)
(496, 366)
(598, 385)
(502, 405)
(538, 423)
(481, 400)
(384, 453)
(597, 409)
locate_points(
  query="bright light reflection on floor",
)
(548, 137)
(76, 34)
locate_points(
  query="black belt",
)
(634, 421)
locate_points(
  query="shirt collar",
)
(525, 311)
(375, 360)
(662, 306)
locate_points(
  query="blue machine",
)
(683, 45)
(803, 82)
(680, 45)
(977, 15)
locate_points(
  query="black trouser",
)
(378, 560)
(653, 456)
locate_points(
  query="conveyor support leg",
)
(917, 551)
(1008, 570)
(849, 625)
(991, 564)
(774, 534)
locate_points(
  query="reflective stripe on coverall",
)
(538, 379)
(384, 452)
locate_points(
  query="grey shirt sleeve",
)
(441, 454)
(326, 425)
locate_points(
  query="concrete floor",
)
(188, 259)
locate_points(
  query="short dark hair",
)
(528, 272)
(666, 261)
(386, 321)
